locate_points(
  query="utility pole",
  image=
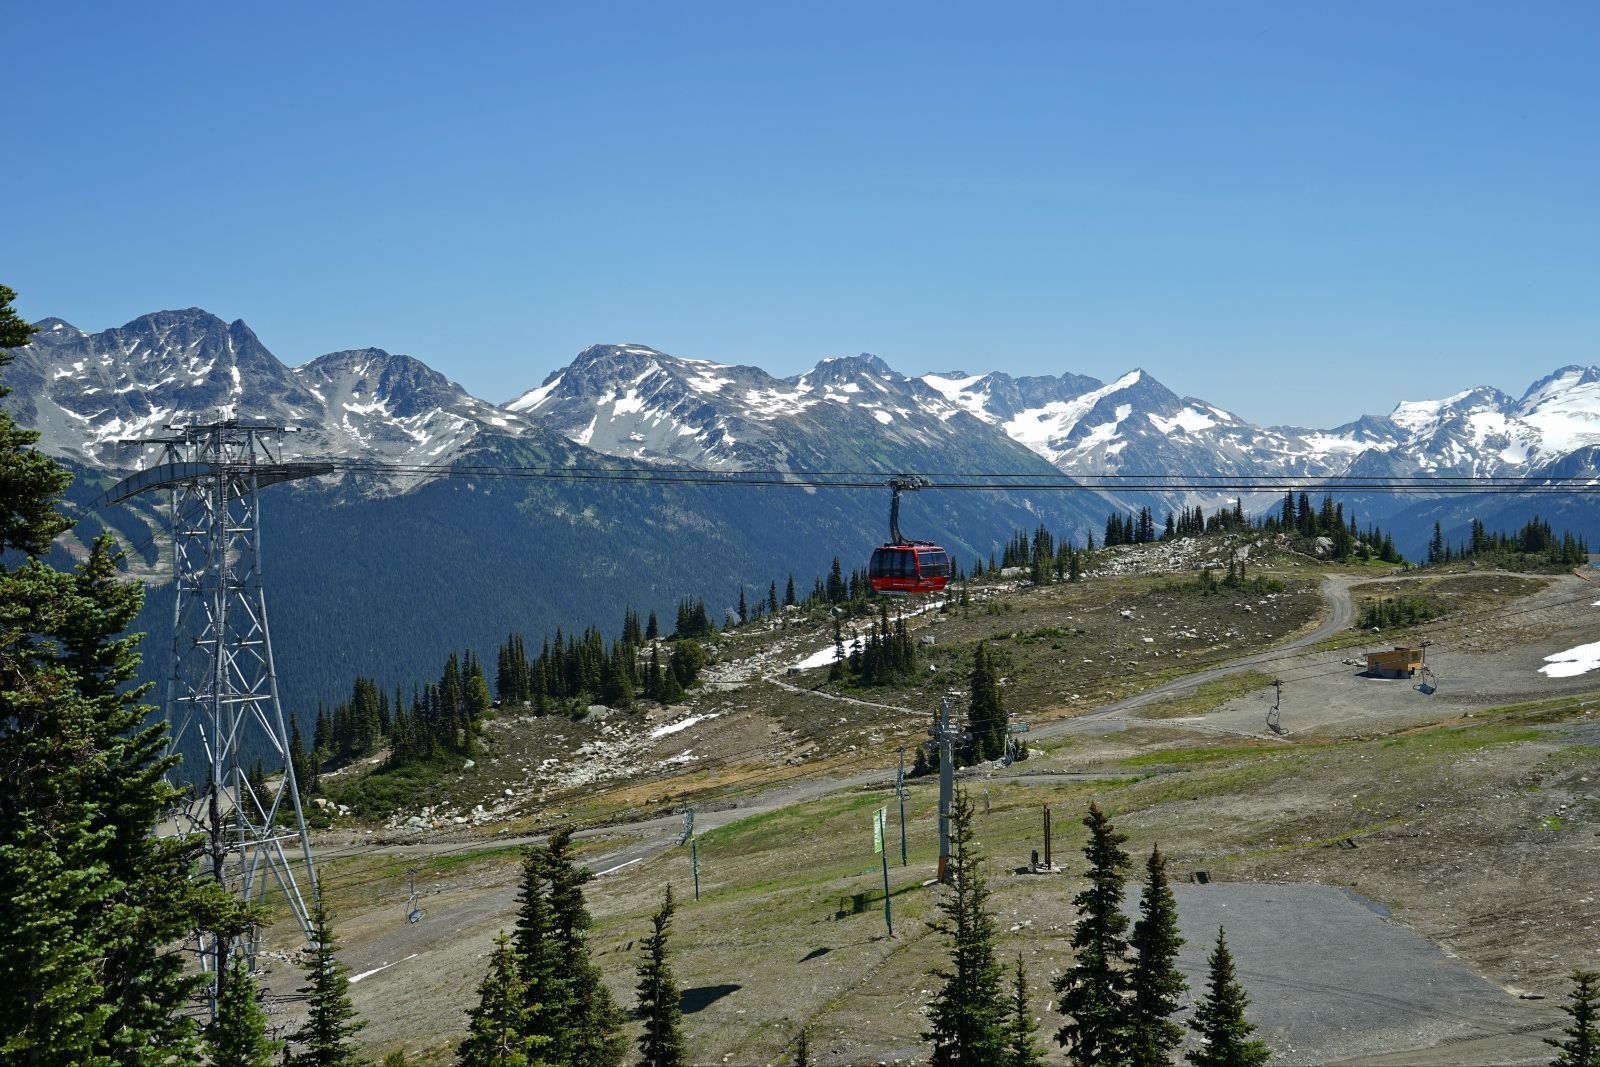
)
(900, 792)
(880, 828)
(1048, 865)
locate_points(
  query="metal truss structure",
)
(222, 693)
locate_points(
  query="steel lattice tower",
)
(222, 692)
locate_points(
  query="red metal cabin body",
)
(907, 569)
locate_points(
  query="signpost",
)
(880, 820)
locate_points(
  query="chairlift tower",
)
(222, 689)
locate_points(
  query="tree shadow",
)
(703, 996)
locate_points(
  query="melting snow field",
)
(681, 724)
(1572, 662)
(821, 658)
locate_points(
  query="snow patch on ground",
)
(681, 724)
(1572, 662)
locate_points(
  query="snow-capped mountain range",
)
(374, 576)
(86, 392)
(635, 402)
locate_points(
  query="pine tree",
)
(498, 1029)
(1581, 1048)
(1094, 991)
(986, 714)
(967, 1016)
(238, 1037)
(536, 951)
(1157, 983)
(593, 1035)
(802, 1048)
(1022, 1045)
(661, 1042)
(94, 902)
(326, 1038)
(1219, 1018)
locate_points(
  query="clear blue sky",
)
(1226, 194)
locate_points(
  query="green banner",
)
(879, 819)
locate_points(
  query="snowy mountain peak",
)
(1566, 380)
(87, 392)
(54, 331)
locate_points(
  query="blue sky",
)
(1238, 197)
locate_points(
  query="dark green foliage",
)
(693, 620)
(986, 713)
(1400, 611)
(93, 901)
(537, 952)
(1581, 1045)
(1095, 990)
(238, 1037)
(589, 1033)
(661, 1041)
(888, 654)
(1022, 1044)
(688, 660)
(499, 1029)
(1533, 546)
(802, 1048)
(967, 1016)
(327, 1037)
(1219, 1018)
(1157, 984)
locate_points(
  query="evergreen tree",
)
(967, 1016)
(661, 1042)
(327, 1037)
(802, 1049)
(1094, 991)
(536, 951)
(1219, 1018)
(986, 713)
(594, 1035)
(94, 902)
(1157, 983)
(238, 1037)
(498, 1029)
(1581, 1048)
(788, 594)
(671, 688)
(1022, 1045)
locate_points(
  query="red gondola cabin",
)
(907, 569)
